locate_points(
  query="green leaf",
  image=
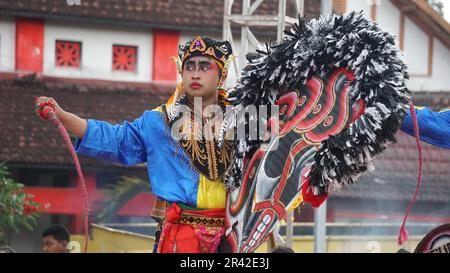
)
(12, 202)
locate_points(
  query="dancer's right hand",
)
(42, 103)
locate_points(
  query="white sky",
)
(446, 9)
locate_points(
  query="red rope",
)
(50, 114)
(403, 233)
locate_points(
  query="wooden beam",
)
(339, 6)
(422, 14)
(430, 55)
(373, 11)
(408, 8)
(437, 18)
(401, 36)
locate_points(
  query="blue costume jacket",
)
(434, 127)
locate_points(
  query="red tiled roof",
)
(25, 138)
(175, 14)
(395, 174)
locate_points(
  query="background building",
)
(110, 60)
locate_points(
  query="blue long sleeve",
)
(120, 143)
(144, 140)
(434, 127)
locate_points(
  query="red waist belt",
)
(192, 230)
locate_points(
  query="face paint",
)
(201, 77)
(200, 66)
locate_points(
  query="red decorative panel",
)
(124, 58)
(29, 44)
(68, 200)
(165, 46)
(68, 54)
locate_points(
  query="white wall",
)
(388, 17)
(7, 43)
(440, 80)
(96, 51)
(415, 46)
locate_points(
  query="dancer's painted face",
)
(200, 76)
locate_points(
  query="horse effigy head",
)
(339, 85)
